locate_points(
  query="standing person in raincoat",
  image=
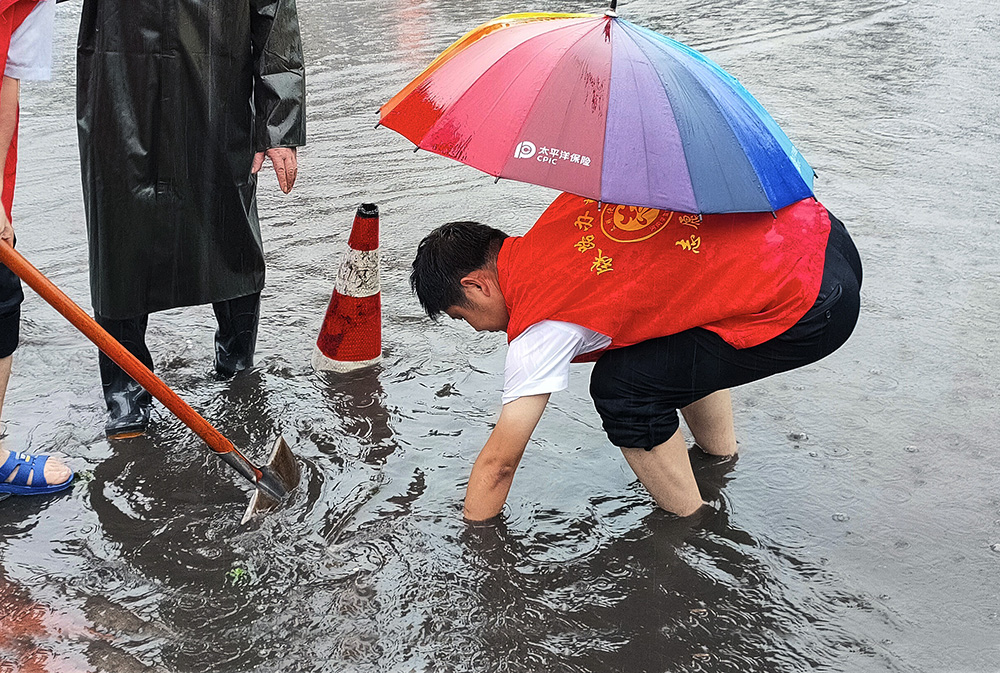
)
(178, 104)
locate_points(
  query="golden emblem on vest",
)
(630, 224)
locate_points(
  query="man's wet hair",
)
(445, 257)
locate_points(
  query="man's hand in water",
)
(286, 165)
(494, 469)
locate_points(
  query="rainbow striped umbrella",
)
(599, 107)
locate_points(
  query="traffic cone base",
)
(357, 339)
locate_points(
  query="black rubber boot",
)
(236, 338)
(128, 402)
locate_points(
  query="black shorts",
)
(638, 389)
(11, 297)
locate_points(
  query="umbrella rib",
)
(673, 104)
(751, 102)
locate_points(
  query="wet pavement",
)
(858, 531)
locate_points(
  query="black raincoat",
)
(173, 99)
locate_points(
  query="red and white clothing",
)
(29, 56)
(538, 359)
(585, 279)
(26, 28)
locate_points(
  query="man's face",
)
(485, 313)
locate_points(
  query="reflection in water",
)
(25, 626)
(172, 510)
(356, 401)
(669, 594)
(412, 24)
(37, 638)
(361, 426)
(657, 592)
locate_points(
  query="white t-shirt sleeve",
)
(30, 53)
(538, 359)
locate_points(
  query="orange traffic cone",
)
(351, 336)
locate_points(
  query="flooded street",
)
(858, 531)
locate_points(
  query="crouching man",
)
(676, 309)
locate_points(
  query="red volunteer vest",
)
(12, 14)
(639, 273)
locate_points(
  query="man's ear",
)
(479, 279)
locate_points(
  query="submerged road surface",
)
(858, 531)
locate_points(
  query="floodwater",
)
(858, 531)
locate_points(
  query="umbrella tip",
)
(611, 10)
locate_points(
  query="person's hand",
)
(6, 228)
(493, 471)
(286, 166)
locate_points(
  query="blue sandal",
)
(26, 466)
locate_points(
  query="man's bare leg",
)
(710, 420)
(666, 473)
(55, 471)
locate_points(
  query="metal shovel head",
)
(281, 475)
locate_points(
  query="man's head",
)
(455, 272)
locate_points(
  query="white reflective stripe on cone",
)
(322, 363)
(359, 274)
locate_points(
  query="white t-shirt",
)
(30, 53)
(538, 359)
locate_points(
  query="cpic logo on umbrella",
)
(524, 150)
(549, 155)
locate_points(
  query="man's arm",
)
(494, 469)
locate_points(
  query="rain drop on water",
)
(840, 516)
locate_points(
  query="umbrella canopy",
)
(597, 106)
